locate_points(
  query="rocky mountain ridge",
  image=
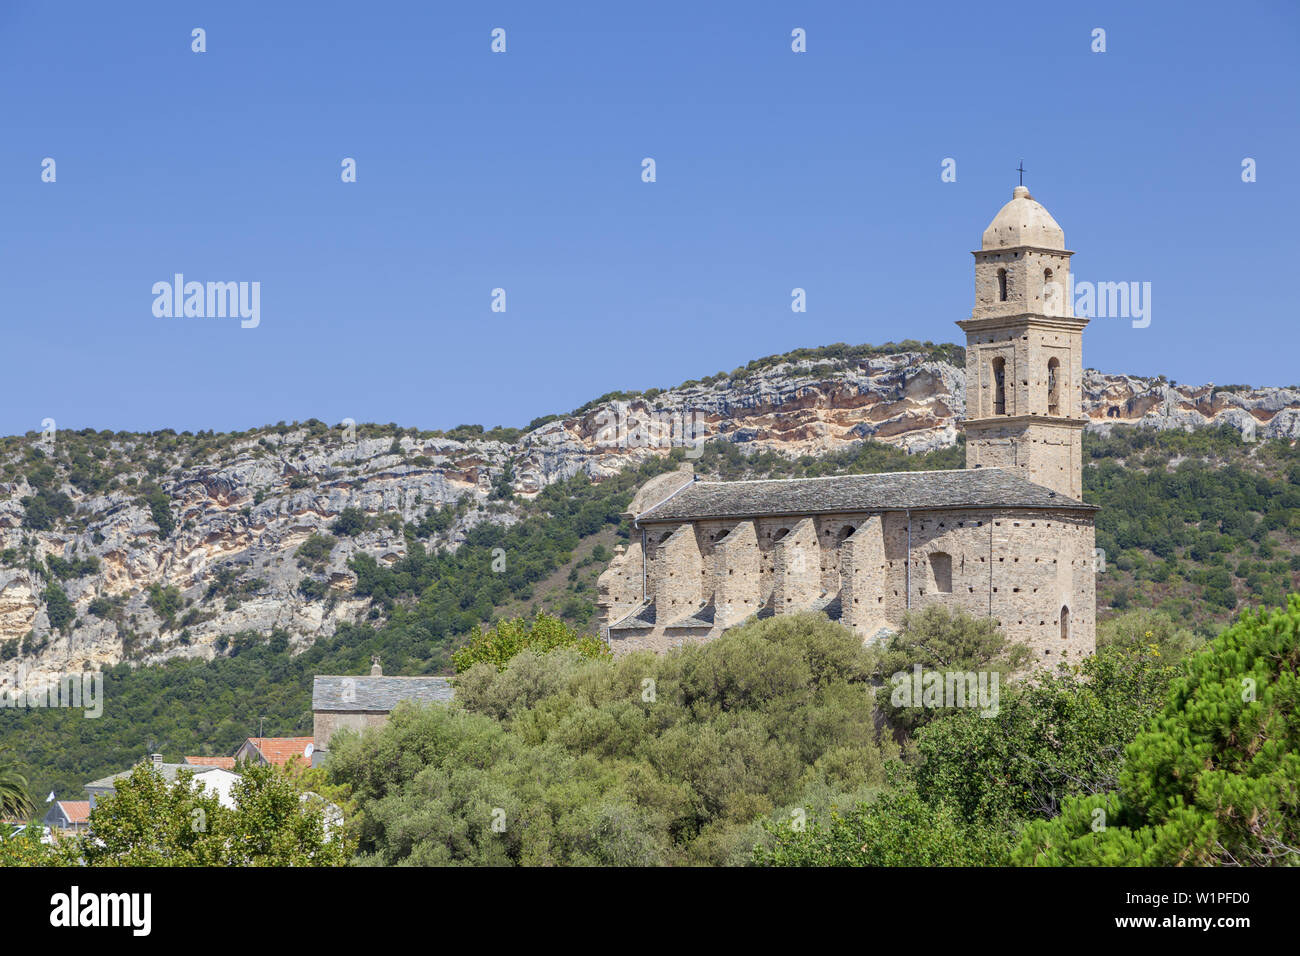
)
(118, 546)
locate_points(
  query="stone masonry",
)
(1008, 537)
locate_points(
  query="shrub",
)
(1214, 779)
(499, 643)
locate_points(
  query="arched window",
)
(1054, 386)
(941, 570)
(999, 386)
(1065, 623)
(780, 534)
(844, 532)
(1002, 285)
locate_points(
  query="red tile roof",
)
(226, 763)
(280, 750)
(75, 811)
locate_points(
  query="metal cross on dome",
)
(1021, 170)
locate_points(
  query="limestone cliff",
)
(242, 505)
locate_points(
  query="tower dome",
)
(1023, 222)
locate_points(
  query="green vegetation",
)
(642, 760)
(505, 640)
(15, 799)
(150, 822)
(161, 511)
(898, 829)
(1214, 779)
(933, 639)
(352, 522)
(1194, 525)
(165, 601)
(1126, 759)
(314, 553)
(61, 613)
(63, 570)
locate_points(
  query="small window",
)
(1065, 623)
(1002, 285)
(1054, 387)
(999, 386)
(941, 569)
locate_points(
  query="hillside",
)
(145, 547)
(266, 556)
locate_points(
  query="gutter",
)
(990, 569)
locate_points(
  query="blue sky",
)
(522, 171)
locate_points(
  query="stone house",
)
(1008, 537)
(355, 703)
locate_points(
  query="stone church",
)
(1008, 537)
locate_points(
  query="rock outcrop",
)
(244, 508)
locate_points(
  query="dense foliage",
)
(148, 821)
(505, 640)
(1194, 525)
(15, 799)
(643, 760)
(898, 829)
(1214, 778)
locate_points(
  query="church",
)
(1008, 537)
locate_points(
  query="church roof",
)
(1023, 222)
(896, 491)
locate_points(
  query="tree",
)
(499, 643)
(148, 821)
(1062, 734)
(899, 829)
(276, 825)
(58, 608)
(1214, 779)
(648, 759)
(936, 640)
(352, 521)
(15, 801)
(1153, 630)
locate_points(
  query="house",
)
(225, 763)
(214, 779)
(340, 702)
(277, 751)
(71, 815)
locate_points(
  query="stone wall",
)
(326, 723)
(1022, 567)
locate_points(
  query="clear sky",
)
(523, 171)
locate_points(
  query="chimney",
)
(375, 669)
(156, 759)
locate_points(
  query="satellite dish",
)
(310, 749)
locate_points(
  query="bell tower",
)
(1024, 364)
